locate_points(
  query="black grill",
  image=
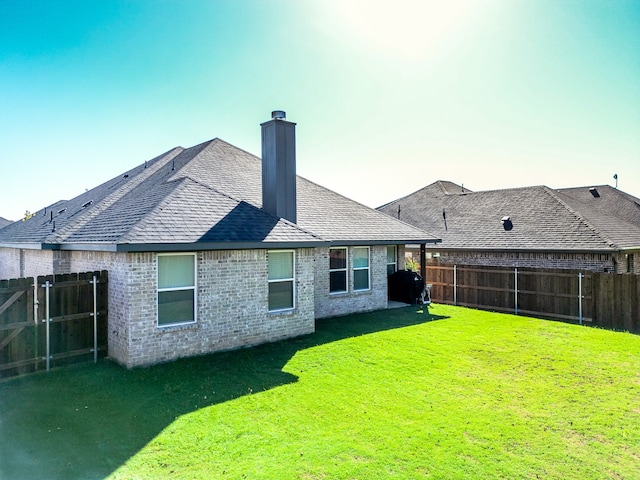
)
(405, 286)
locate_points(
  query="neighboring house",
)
(209, 248)
(591, 228)
(4, 222)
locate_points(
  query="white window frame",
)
(345, 270)
(194, 288)
(395, 258)
(282, 280)
(367, 268)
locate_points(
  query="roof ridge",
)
(256, 208)
(109, 200)
(138, 225)
(405, 196)
(443, 185)
(556, 195)
(183, 181)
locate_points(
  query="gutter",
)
(413, 241)
(178, 247)
(23, 246)
(205, 246)
(529, 250)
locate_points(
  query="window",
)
(176, 289)
(281, 280)
(392, 259)
(360, 268)
(338, 270)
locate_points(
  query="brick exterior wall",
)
(628, 263)
(232, 298)
(330, 305)
(232, 304)
(9, 263)
(579, 261)
(19, 263)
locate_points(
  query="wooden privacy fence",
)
(602, 299)
(616, 301)
(52, 321)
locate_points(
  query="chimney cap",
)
(278, 115)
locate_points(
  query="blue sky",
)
(388, 96)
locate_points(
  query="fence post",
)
(516, 291)
(35, 320)
(580, 297)
(47, 320)
(455, 285)
(95, 318)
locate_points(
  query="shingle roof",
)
(206, 196)
(4, 222)
(542, 219)
(607, 200)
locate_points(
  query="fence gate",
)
(52, 321)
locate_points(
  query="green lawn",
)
(450, 393)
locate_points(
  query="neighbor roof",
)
(608, 200)
(4, 222)
(204, 197)
(542, 219)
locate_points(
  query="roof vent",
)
(278, 115)
(87, 204)
(62, 211)
(594, 192)
(506, 223)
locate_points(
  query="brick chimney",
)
(279, 166)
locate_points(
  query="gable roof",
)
(203, 197)
(542, 219)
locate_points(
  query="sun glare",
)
(409, 29)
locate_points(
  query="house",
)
(591, 228)
(4, 222)
(210, 248)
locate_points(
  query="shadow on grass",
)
(85, 421)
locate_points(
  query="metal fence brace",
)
(94, 282)
(515, 289)
(47, 321)
(455, 285)
(580, 297)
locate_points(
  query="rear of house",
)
(210, 248)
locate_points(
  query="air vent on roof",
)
(594, 192)
(87, 204)
(125, 175)
(506, 223)
(62, 211)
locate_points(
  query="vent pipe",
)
(279, 166)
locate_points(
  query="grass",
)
(450, 393)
